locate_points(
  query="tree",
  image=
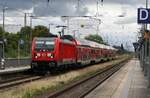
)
(40, 31)
(95, 38)
(11, 47)
(25, 30)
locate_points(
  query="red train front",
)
(43, 50)
(52, 52)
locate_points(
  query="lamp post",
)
(3, 56)
(4, 8)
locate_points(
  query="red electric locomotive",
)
(51, 52)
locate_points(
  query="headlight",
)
(36, 57)
(3, 60)
(50, 55)
(38, 54)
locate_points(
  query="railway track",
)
(81, 88)
(10, 83)
(8, 80)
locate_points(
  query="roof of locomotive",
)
(45, 38)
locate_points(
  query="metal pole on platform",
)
(31, 36)
(147, 52)
(145, 45)
(145, 58)
(18, 53)
(3, 35)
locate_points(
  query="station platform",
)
(128, 82)
(16, 69)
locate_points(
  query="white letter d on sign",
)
(146, 14)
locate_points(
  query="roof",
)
(84, 42)
(45, 38)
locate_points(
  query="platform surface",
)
(16, 69)
(128, 82)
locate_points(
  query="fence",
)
(12, 62)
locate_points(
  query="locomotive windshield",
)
(44, 45)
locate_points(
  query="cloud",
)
(128, 20)
(59, 7)
(17, 4)
(43, 8)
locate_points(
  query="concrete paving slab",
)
(128, 82)
(11, 70)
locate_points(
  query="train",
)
(49, 53)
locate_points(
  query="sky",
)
(110, 25)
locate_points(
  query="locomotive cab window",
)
(44, 45)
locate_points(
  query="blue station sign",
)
(143, 16)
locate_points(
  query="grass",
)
(35, 92)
